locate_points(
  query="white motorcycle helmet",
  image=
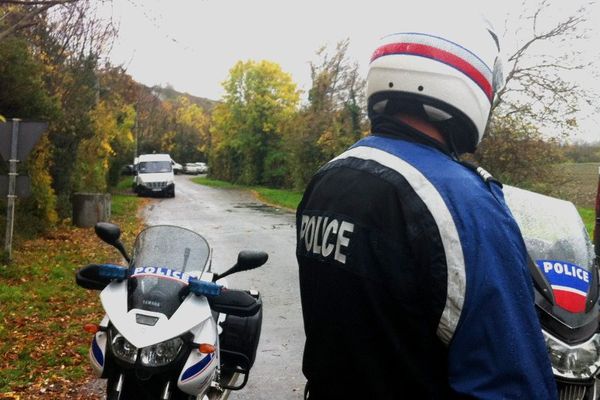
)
(445, 69)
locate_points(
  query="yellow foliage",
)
(167, 141)
(187, 133)
(41, 182)
(247, 128)
(93, 153)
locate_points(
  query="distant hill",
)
(169, 93)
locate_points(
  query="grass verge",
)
(43, 348)
(589, 216)
(278, 197)
(124, 185)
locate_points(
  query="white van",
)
(154, 175)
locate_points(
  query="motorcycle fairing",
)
(199, 368)
(197, 372)
(570, 283)
(97, 353)
(193, 311)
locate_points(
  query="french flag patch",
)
(570, 283)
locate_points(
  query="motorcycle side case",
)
(241, 335)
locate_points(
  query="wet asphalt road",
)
(231, 221)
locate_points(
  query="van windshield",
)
(153, 167)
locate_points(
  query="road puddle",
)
(259, 207)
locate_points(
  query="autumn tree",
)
(90, 119)
(516, 152)
(174, 124)
(152, 120)
(545, 50)
(101, 156)
(17, 15)
(247, 127)
(70, 41)
(332, 119)
(187, 137)
(118, 91)
(111, 127)
(23, 95)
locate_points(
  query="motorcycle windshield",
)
(164, 258)
(558, 243)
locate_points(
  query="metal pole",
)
(597, 224)
(12, 183)
(136, 126)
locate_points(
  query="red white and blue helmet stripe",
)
(442, 50)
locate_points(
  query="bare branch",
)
(25, 20)
(567, 26)
(537, 87)
(37, 3)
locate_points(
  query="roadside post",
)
(17, 139)
(597, 224)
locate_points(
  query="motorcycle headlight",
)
(123, 350)
(581, 361)
(162, 353)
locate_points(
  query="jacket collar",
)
(384, 125)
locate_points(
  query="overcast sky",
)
(192, 44)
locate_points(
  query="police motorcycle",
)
(564, 269)
(172, 330)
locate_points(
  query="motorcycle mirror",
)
(110, 233)
(247, 260)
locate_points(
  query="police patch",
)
(570, 283)
(325, 236)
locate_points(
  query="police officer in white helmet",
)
(413, 272)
